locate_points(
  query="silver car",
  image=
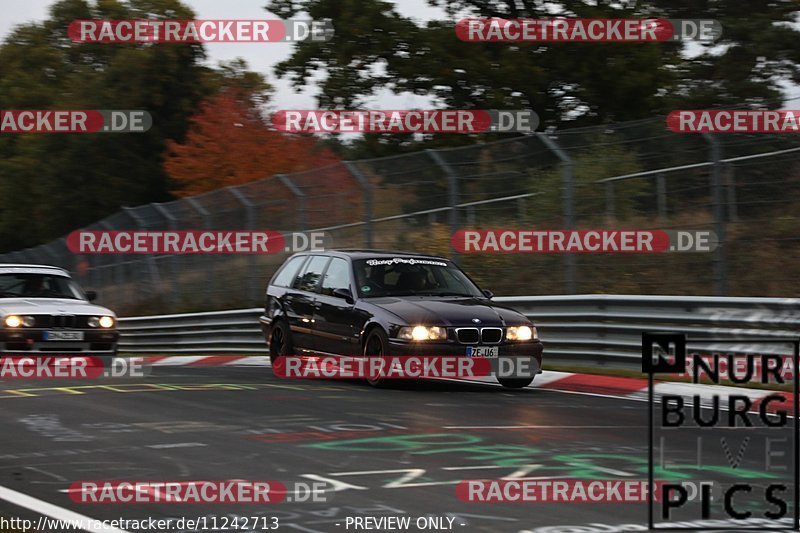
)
(44, 311)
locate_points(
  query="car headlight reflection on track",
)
(422, 333)
(521, 333)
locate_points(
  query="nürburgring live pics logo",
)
(748, 491)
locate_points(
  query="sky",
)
(261, 57)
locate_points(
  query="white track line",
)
(54, 511)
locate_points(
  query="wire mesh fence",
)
(633, 175)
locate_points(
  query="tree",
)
(228, 143)
(50, 183)
(566, 83)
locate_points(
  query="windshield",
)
(25, 285)
(401, 276)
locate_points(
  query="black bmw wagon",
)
(365, 303)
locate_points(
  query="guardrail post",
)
(250, 221)
(568, 195)
(720, 254)
(301, 199)
(453, 193)
(366, 186)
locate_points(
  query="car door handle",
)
(317, 305)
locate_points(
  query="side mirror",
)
(91, 296)
(489, 294)
(344, 293)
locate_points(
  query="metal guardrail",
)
(594, 329)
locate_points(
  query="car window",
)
(410, 276)
(336, 277)
(287, 274)
(28, 285)
(308, 280)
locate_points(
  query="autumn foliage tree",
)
(229, 143)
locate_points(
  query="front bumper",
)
(531, 349)
(31, 341)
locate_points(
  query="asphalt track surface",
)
(398, 451)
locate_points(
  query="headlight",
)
(422, 333)
(102, 321)
(15, 321)
(521, 333)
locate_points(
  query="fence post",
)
(366, 186)
(173, 259)
(610, 203)
(56, 260)
(720, 254)
(252, 287)
(203, 212)
(106, 273)
(568, 191)
(151, 262)
(730, 185)
(301, 199)
(453, 193)
(661, 191)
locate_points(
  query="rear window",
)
(288, 272)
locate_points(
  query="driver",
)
(34, 286)
(412, 281)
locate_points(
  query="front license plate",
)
(482, 351)
(63, 335)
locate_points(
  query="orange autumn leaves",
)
(228, 143)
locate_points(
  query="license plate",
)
(482, 351)
(63, 335)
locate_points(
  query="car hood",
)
(46, 306)
(450, 311)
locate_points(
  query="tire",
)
(280, 341)
(515, 383)
(377, 345)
